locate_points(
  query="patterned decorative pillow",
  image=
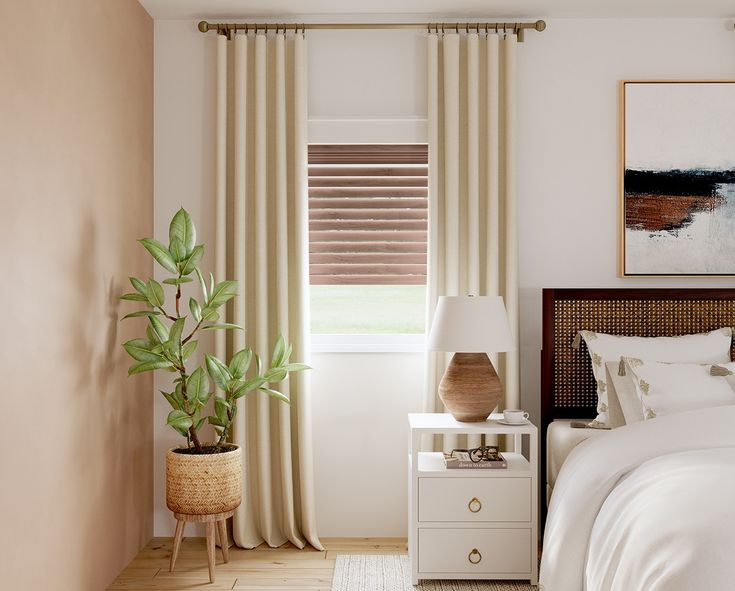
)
(709, 347)
(667, 388)
(624, 407)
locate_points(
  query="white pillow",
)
(709, 347)
(667, 388)
(623, 399)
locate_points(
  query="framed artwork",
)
(678, 178)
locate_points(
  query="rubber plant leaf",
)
(223, 326)
(240, 362)
(138, 285)
(159, 328)
(192, 260)
(276, 394)
(156, 297)
(279, 351)
(218, 371)
(148, 366)
(149, 313)
(178, 419)
(178, 280)
(140, 350)
(198, 385)
(188, 349)
(177, 249)
(182, 228)
(222, 292)
(196, 309)
(171, 400)
(174, 335)
(160, 253)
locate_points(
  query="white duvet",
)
(648, 507)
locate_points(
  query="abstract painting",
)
(678, 178)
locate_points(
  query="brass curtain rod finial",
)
(203, 26)
(540, 25)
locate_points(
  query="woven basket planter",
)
(204, 484)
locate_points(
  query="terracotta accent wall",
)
(76, 190)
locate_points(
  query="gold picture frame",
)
(661, 214)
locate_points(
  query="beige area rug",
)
(392, 573)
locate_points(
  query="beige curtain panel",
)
(473, 244)
(262, 241)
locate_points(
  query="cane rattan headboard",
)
(567, 385)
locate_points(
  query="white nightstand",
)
(472, 524)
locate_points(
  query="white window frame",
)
(368, 343)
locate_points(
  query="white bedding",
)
(561, 439)
(648, 507)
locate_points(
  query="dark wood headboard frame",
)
(567, 386)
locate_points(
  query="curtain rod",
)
(516, 27)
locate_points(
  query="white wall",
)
(568, 158)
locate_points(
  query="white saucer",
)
(519, 424)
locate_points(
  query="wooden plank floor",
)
(264, 568)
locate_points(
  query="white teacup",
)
(515, 416)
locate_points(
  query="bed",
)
(647, 506)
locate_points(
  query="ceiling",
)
(333, 9)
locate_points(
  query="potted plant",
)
(201, 478)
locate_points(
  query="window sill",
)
(368, 343)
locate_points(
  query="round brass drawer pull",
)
(474, 557)
(475, 506)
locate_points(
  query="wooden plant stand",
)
(220, 519)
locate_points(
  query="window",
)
(368, 229)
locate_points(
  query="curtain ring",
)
(478, 28)
(442, 28)
(486, 26)
(496, 27)
(467, 28)
(456, 28)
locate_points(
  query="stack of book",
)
(491, 458)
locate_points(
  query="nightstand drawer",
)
(475, 551)
(475, 499)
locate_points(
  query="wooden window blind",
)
(368, 214)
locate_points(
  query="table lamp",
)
(470, 327)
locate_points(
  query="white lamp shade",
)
(471, 324)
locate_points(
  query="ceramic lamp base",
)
(470, 388)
